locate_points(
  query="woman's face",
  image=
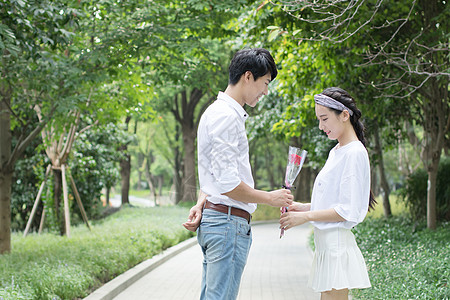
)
(329, 122)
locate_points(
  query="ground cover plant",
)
(405, 259)
(54, 267)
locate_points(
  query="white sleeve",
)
(353, 199)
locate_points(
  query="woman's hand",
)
(293, 218)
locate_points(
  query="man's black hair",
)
(256, 60)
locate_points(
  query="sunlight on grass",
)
(397, 207)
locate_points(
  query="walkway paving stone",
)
(276, 269)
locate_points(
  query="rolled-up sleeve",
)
(353, 198)
(224, 136)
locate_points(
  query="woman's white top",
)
(343, 184)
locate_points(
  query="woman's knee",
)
(335, 295)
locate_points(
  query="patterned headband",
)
(326, 101)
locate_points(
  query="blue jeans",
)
(225, 241)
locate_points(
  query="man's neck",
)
(234, 92)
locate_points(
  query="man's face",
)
(256, 89)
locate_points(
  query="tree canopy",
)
(73, 69)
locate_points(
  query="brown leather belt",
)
(224, 209)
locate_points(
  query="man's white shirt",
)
(223, 157)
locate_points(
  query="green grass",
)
(397, 207)
(54, 267)
(266, 212)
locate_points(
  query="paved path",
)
(116, 201)
(276, 269)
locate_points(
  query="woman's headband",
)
(326, 101)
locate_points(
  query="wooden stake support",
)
(36, 202)
(66, 203)
(41, 224)
(66, 200)
(80, 204)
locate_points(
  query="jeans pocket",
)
(213, 239)
(244, 230)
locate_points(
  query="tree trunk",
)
(189, 181)
(125, 170)
(6, 171)
(5, 211)
(178, 168)
(431, 194)
(374, 182)
(140, 158)
(148, 177)
(383, 180)
(160, 184)
(57, 192)
(178, 187)
(108, 191)
(435, 104)
(184, 112)
(303, 183)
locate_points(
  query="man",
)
(227, 197)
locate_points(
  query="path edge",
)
(117, 285)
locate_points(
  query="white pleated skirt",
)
(338, 262)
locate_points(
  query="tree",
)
(175, 44)
(30, 35)
(187, 91)
(411, 42)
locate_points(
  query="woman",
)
(340, 199)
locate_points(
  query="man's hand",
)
(297, 206)
(194, 218)
(195, 214)
(281, 198)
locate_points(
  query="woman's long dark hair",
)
(342, 96)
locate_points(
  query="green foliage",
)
(33, 26)
(404, 261)
(55, 267)
(94, 165)
(27, 179)
(414, 193)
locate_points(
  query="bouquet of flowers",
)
(296, 159)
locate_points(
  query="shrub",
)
(414, 194)
(26, 182)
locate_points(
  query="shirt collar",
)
(239, 109)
